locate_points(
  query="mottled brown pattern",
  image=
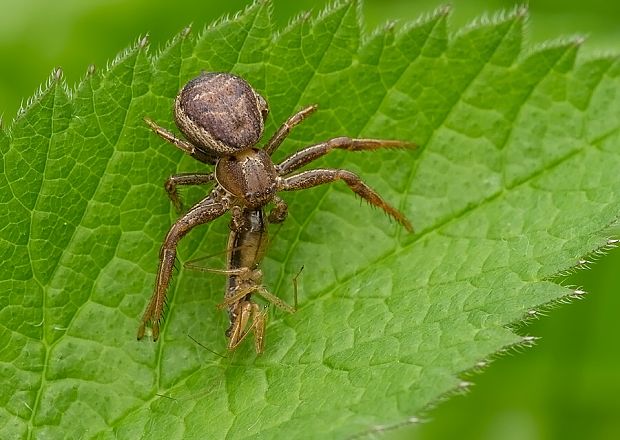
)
(221, 110)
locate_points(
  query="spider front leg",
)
(208, 209)
(284, 130)
(181, 144)
(184, 179)
(308, 179)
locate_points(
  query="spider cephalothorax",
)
(222, 117)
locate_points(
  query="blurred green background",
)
(568, 385)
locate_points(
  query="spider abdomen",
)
(220, 113)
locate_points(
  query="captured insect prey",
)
(222, 119)
(246, 247)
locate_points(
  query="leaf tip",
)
(55, 77)
(578, 293)
(333, 7)
(305, 15)
(529, 340)
(301, 18)
(578, 40)
(521, 11)
(583, 263)
(57, 74)
(465, 385)
(390, 25)
(143, 41)
(140, 43)
(91, 70)
(186, 31)
(482, 364)
(532, 314)
(444, 10)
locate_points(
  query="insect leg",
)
(246, 311)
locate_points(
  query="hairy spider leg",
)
(284, 130)
(280, 211)
(181, 144)
(208, 209)
(313, 152)
(310, 178)
(185, 179)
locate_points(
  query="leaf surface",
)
(514, 181)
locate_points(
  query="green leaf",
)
(514, 182)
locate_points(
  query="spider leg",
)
(184, 179)
(310, 178)
(284, 130)
(181, 144)
(211, 207)
(308, 154)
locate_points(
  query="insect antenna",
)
(206, 348)
(192, 396)
(167, 397)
